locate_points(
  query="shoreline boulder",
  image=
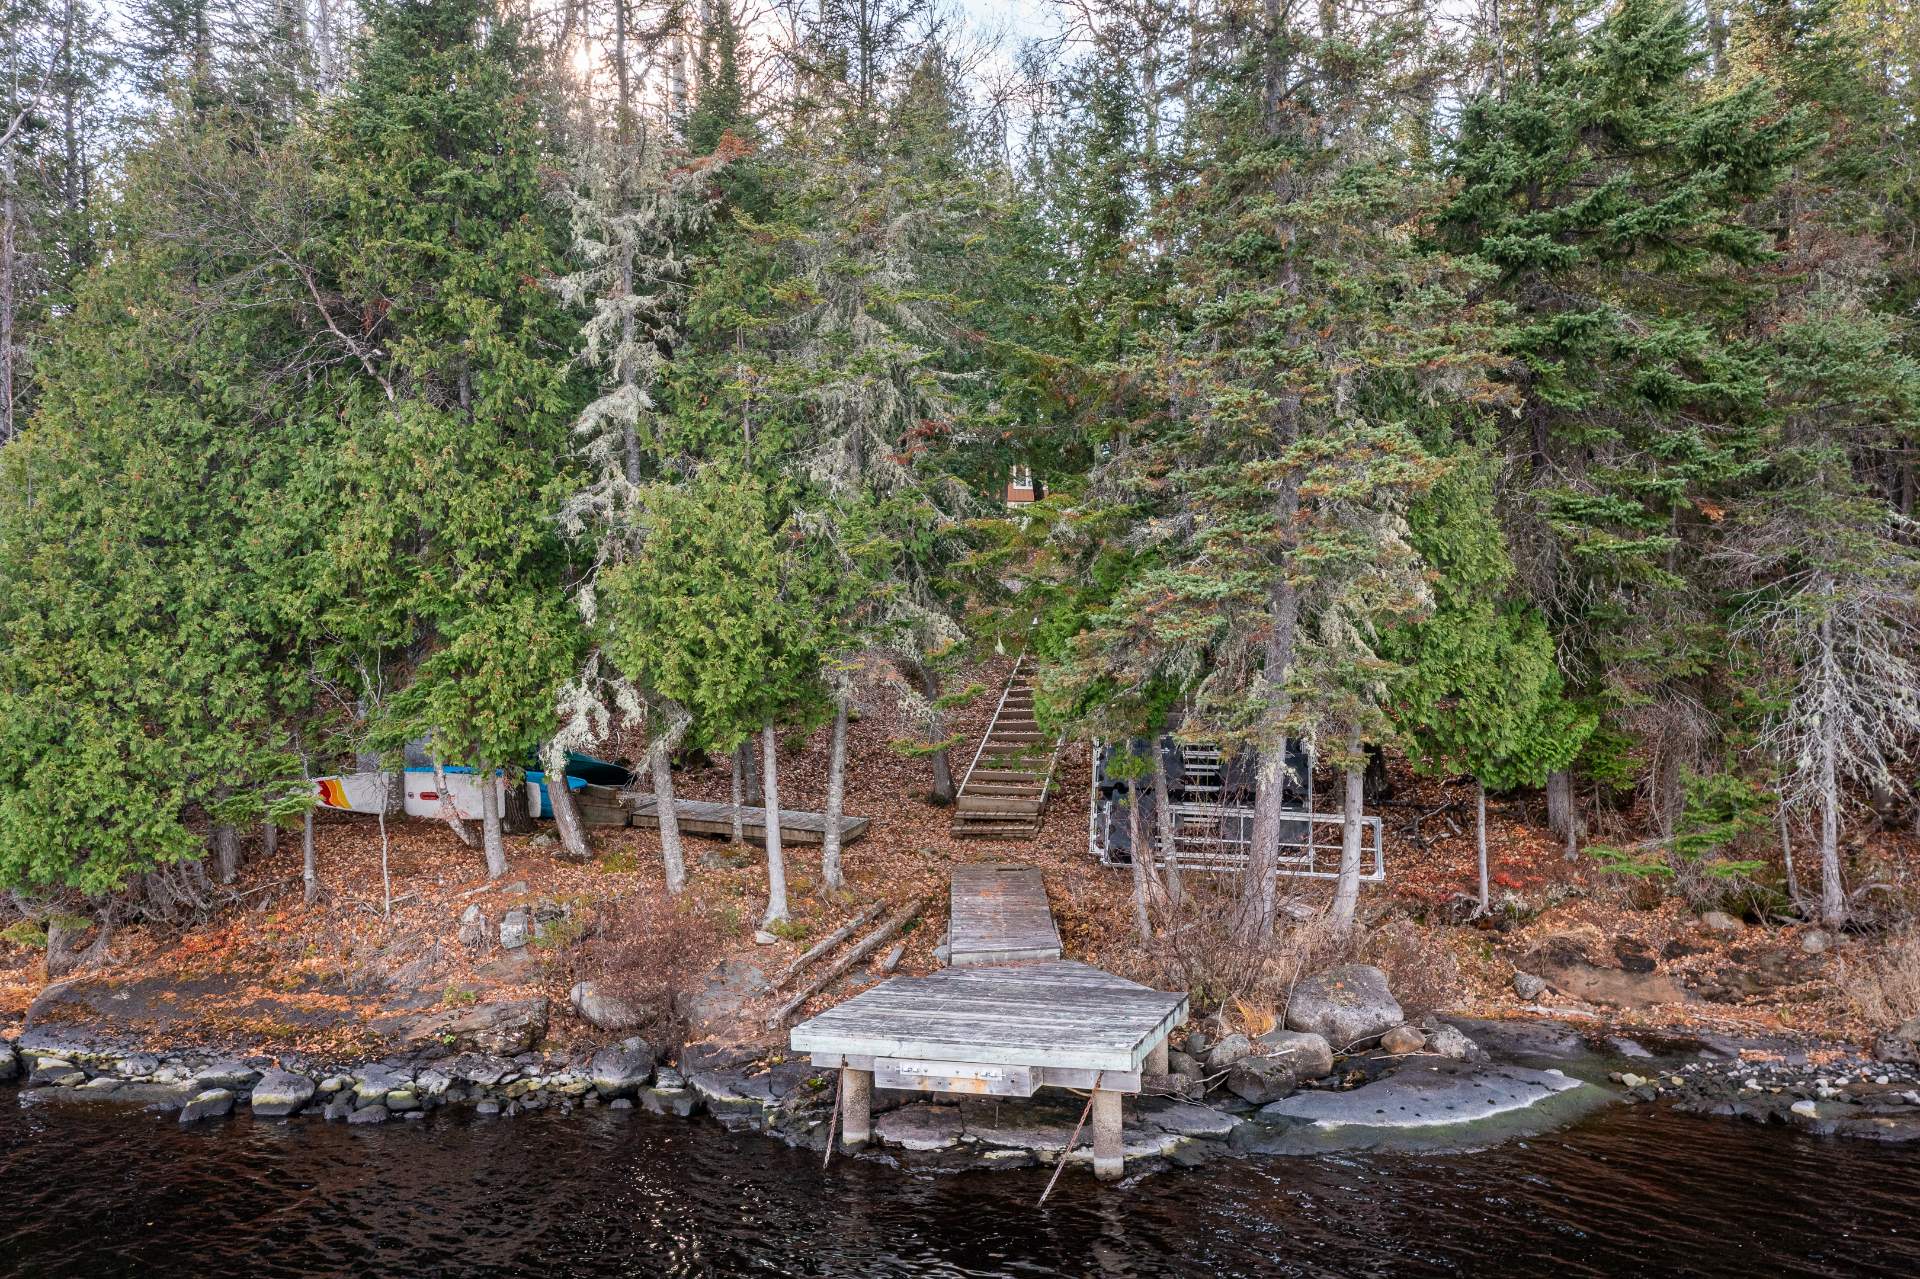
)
(210, 1103)
(281, 1092)
(1345, 1005)
(603, 1009)
(621, 1071)
(1309, 1055)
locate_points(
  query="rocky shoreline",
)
(1434, 1083)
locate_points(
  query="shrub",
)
(1885, 989)
(1421, 972)
(25, 932)
(650, 952)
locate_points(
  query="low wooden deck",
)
(1072, 1020)
(991, 1027)
(699, 817)
(999, 915)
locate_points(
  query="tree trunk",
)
(1163, 818)
(516, 811)
(1786, 854)
(737, 834)
(836, 799)
(1560, 815)
(937, 731)
(1263, 858)
(309, 863)
(1833, 891)
(776, 856)
(491, 836)
(1141, 922)
(671, 853)
(1480, 844)
(448, 813)
(62, 956)
(750, 774)
(269, 838)
(1346, 889)
(7, 305)
(566, 813)
(226, 852)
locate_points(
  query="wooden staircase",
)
(1005, 790)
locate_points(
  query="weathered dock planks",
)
(999, 915)
(991, 1025)
(1062, 1015)
(700, 817)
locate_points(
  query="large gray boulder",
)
(726, 989)
(1309, 1055)
(9, 1064)
(235, 1075)
(622, 1071)
(1452, 1042)
(1345, 1005)
(1259, 1080)
(373, 1083)
(281, 1092)
(1229, 1051)
(603, 1009)
(209, 1103)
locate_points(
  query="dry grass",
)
(1885, 988)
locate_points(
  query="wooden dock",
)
(699, 817)
(995, 1028)
(999, 915)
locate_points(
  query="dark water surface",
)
(1630, 1192)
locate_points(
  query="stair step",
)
(998, 805)
(1012, 790)
(1006, 775)
(971, 831)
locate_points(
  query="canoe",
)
(366, 792)
(352, 792)
(423, 792)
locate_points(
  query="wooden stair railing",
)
(1005, 789)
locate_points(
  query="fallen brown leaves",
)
(273, 973)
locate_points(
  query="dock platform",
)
(700, 817)
(990, 1027)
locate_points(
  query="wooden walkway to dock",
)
(999, 915)
(988, 1026)
(700, 817)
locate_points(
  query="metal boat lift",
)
(1213, 819)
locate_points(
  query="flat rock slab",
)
(922, 1127)
(1185, 1119)
(1425, 1096)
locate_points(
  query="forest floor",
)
(269, 973)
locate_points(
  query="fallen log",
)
(866, 946)
(820, 948)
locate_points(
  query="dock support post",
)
(1156, 1063)
(856, 1107)
(1109, 1163)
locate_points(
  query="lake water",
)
(1628, 1192)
